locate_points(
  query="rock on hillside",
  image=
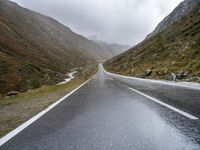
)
(172, 53)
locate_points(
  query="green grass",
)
(43, 91)
(175, 49)
(16, 110)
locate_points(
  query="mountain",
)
(114, 49)
(37, 50)
(172, 53)
(182, 9)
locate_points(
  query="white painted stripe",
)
(194, 86)
(13, 133)
(111, 79)
(166, 105)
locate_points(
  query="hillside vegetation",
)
(182, 9)
(173, 51)
(16, 110)
(37, 50)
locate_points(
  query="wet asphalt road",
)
(106, 115)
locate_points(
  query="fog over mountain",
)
(36, 50)
(125, 22)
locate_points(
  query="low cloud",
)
(112, 21)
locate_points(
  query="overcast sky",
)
(112, 21)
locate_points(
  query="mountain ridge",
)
(37, 50)
(114, 48)
(171, 54)
(182, 9)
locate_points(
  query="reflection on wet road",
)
(106, 115)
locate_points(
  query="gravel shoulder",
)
(16, 110)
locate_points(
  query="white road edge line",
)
(166, 105)
(14, 132)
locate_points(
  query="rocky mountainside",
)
(172, 54)
(182, 9)
(37, 50)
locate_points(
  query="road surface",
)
(107, 115)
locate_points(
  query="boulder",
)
(173, 76)
(193, 79)
(148, 72)
(12, 93)
(140, 76)
(182, 74)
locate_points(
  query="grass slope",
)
(16, 110)
(175, 49)
(36, 50)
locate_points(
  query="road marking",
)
(13, 133)
(110, 79)
(164, 82)
(166, 105)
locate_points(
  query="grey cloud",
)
(113, 21)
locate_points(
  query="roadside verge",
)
(14, 132)
(184, 97)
